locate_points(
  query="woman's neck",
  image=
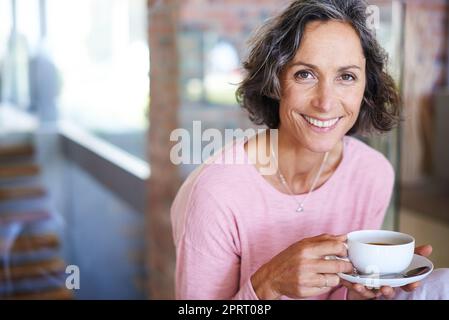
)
(300, 165)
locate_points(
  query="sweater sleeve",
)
(208, 253)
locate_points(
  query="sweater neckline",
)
(259, 179)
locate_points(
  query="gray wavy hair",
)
(275, 45)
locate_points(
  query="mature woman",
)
(317, 75)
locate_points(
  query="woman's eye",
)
(347, 77)
(303, 75)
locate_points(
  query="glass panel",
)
(101, 52)
(210, 73)
(28, 22)
(213, 41)
(389, 35)
(85, 61)
(5, 33)
(19, 38)
(222, 71)
(5, 27)
(191, 65)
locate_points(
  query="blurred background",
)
(90, 91)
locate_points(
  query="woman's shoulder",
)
(363, 157)
(209, 189)
(223, 174)
(226, 171)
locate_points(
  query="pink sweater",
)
(228, 220)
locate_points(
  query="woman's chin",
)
(321, 146)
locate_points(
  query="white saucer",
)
(375, 282)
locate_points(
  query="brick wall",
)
(233, 20)
(163, 184)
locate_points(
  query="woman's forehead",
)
(330, 43)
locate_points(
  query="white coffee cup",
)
(380, 251)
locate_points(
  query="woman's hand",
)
(300, 270)
(360, 292)
(424, 251)
(357, 291)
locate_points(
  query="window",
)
(213, 39)
(101, 52)
(85, 61)
(5, 32)
(19, 35)
(210, 68)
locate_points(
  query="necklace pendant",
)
(300, 208)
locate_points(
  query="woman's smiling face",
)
(322, 88)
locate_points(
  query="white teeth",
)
(321, 124)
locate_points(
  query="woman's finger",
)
(388, 292)
(341, 237)
(321, 280)
(328, 266)
(365, 292)
(324, 248)
(322, 237)
(411, 286)
(314, 291)
(347, 284)
(425, 250)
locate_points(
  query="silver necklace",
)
(284, 182)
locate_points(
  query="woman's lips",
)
(320, 129)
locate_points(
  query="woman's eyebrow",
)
(312, 66)
(351, 66)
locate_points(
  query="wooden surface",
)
(23, 279)
(32, 270)
(21, 193)
(16, 171)
(29, 243)
(429, 198)
(51, 294)
(23, 217)
(13, 151)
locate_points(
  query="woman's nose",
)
(324, 98)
